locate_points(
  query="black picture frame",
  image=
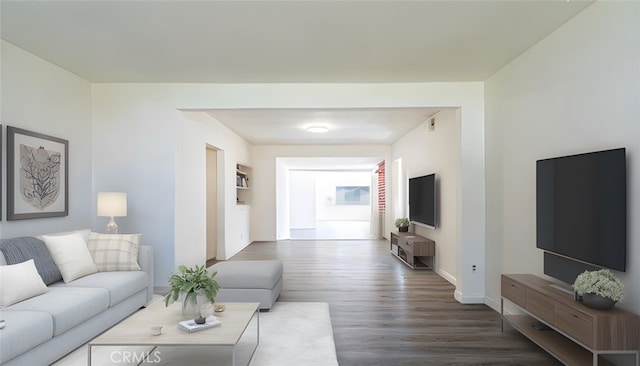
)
(37, 175)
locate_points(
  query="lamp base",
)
(112, 227)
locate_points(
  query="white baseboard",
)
(468, 299)
(447, 276)
(492, 303)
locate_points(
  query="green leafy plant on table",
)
(192, 282)
(402, 222)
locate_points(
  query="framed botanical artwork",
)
(37, 175)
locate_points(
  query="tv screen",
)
(581, 207)
(422, 200)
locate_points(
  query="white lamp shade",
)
(112, 204)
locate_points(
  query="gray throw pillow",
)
(18, 250)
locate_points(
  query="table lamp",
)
(112, 204)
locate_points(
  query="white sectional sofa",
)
(44, 328)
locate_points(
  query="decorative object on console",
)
(197, 287)
(199, 320)
(599, 289)
(199, 323)
(37, 175)
(112, 204)
(402, 224)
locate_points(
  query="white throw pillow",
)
(115, 252)
(71, 255)
(19, 282)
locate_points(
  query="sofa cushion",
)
(23, 331)
(248, 274)
(114, 252)
(71, 255)
(67, 305)
(84, 233)
(20, 281)
(18, 250)
(121, 284)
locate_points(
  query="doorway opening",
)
(329, 199)
(330, 204)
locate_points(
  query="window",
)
(352, 195)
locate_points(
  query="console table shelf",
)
(408, 247)
(578, 335)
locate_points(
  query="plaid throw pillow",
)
(115, 252)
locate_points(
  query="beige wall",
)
(425, 151)
(575, 91)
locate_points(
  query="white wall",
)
(129, 137)
(302, 199)
(142, 121)
(197, 130)
(266, 160)
(575, 91)
(144, 145)
(41, 97)
(327, 209)
(424, 151)
(282, 191)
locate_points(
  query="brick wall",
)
(382, 200)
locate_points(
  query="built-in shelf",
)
(244, 198)
(243, 184)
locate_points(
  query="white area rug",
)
(291, 333)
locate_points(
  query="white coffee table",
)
(237, 336)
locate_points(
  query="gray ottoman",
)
(249, 281)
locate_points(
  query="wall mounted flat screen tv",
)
(422, 200)
(581, 207)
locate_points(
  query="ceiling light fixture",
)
(318, 129)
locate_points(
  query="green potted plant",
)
(402, 224)
(599, 289)
(196, 287)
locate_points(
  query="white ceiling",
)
(281, 41)
(297, 41)
(346, 126)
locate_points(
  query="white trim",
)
(493, 304)
(447, 276)
(468, 299)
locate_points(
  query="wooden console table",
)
(577, 334)
(407, 247)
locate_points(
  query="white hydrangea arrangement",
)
(601, 282)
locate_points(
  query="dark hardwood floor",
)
(384, 313)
